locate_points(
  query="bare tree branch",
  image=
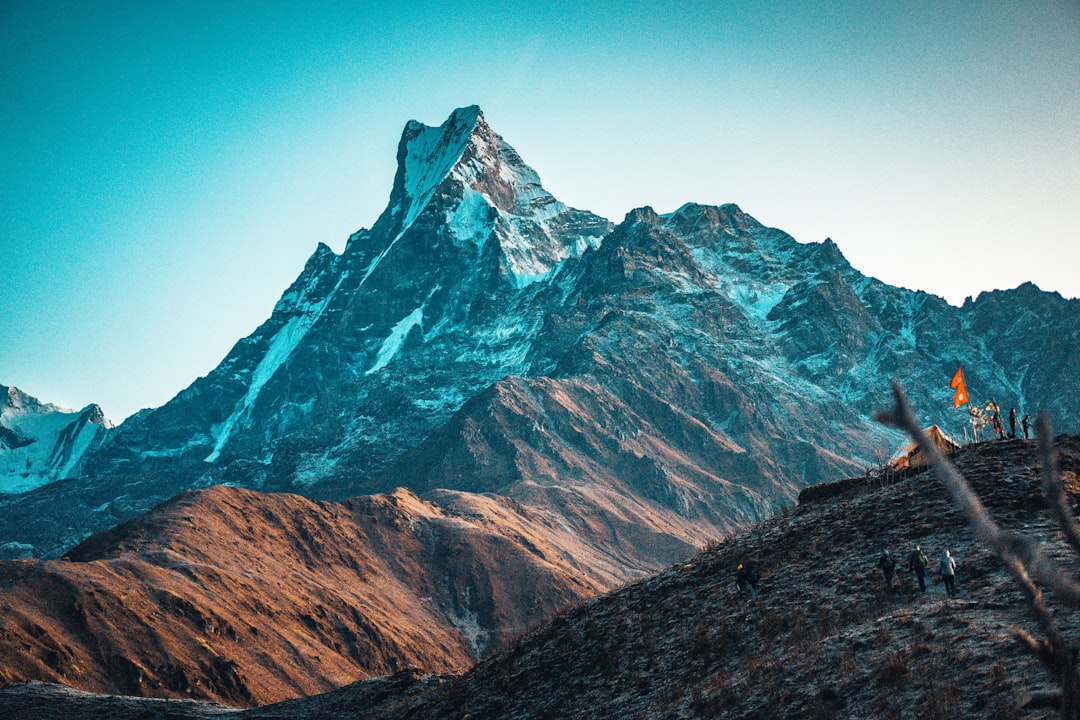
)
(1053, 487)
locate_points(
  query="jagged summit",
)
(425, 156)
(463, 175)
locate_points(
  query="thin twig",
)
(1053, 487)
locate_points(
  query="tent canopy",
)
(911, 456)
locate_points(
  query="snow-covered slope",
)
(40, 443)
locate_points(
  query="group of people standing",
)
(1025, 425)
(918, 564)
(995, 423)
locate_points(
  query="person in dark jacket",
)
(1012, 423)
(746, 578)
(742, 578)
(888, 568)
(1026, 423)
(917, 564)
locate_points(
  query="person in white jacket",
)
(947, 568)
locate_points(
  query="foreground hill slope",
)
(823, 639)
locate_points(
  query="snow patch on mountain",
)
(281, 347)
(756, 300)
(195, 442)
(471, 221)
(504, 195)
(523, 280)
(430, 154)
(907, 329)
(392, 344)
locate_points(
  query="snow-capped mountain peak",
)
(699, 346)
(426, 155)
(478, 186)
(42, 442)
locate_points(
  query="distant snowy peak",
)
(475, 184)
(16, 405)
(41, 442)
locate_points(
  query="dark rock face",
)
(709, 363)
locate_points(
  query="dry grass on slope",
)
(824, 639)
(247, 598)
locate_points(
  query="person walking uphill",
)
(742, 578)
(947, 568)
(917, 563)
(746, 578)
(888, 568)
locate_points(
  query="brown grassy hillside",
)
(248, 598)
(824, 639)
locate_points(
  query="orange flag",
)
(960, 396)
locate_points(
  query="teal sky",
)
(167, 167)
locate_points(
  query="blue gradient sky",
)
(167, 167)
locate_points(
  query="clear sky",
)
(167, 167)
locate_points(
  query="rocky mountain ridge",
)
(731, 364)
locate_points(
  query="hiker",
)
(888, 568)
(1012, 423)
(917, 563)
(1026, 423)
(995, 422)
(947, 568)
(746, 579)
